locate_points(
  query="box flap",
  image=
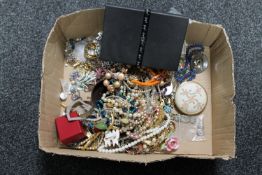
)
(223, 92)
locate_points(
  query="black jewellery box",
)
(143, 37)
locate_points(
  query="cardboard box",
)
(218, 80)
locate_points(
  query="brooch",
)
(191, 98)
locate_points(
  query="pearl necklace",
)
(151, 132)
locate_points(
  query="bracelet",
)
(136, 91)
(86, 106)
(85, 145)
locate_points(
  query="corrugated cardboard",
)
(218, 81)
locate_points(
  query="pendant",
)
(112, 138)
(199, 62)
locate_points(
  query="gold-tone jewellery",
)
(92, 50)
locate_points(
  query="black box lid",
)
(123, 28)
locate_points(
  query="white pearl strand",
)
(153, 132)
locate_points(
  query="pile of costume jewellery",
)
(132, 110)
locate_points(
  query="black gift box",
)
(143, 37)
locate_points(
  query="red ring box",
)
(69, 131)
